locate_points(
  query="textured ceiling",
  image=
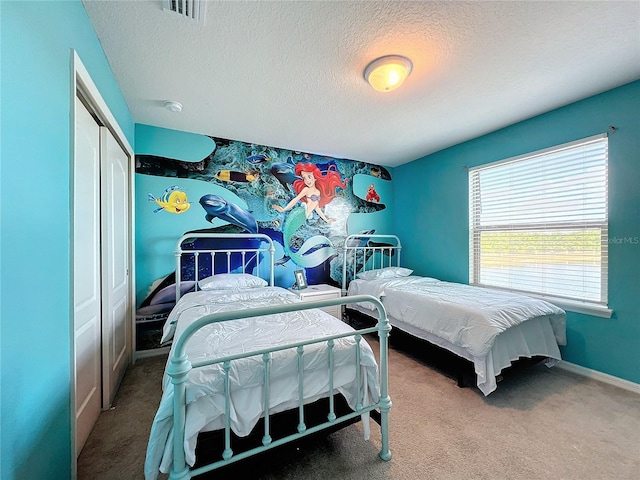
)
(288, 74)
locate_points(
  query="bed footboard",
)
(180, 366)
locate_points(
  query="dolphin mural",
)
(216, 206)
(361, 240)
(284, 173)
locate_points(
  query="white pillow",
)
(387, 272)
(230, 281)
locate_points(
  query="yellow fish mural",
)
(172, 200)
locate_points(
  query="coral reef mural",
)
(306, 203)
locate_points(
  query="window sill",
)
(579, 307)
(576, 306)
(570, 305)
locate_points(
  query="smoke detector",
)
(173, 106)
(191, 9)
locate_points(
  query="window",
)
(538, 223)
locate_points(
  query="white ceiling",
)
(289, 74)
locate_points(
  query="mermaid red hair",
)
(325, 183)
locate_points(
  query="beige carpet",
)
(541, 423)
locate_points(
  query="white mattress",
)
(491, 328)
(205, 399)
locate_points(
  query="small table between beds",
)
(320, 292)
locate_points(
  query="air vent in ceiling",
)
(192, 9)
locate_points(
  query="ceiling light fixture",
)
(387, 73)
(173, 106)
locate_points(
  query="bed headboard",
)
(364, 252)
(200, 255)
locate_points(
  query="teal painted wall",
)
(35, 339)
(431, 199)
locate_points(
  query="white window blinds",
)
(538, 222)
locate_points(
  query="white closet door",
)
(116, 329)
(86, 274)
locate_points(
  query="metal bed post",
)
(179, 369)
(332, 415)
(384, 327)
(266, 359)
(301, 425)
(178, 253)
(272, 259)
(228, 452)
(345, 254)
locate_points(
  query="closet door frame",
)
(83, 86)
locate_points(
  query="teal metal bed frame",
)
(363, 252)
(180, 366)
(252, 253)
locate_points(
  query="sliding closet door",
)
(102, 325)
(86, 274)
(116, 327)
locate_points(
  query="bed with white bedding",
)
(244, 350)
(488, 327)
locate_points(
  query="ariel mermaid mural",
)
(306, 203)
(314, 189)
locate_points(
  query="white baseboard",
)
(601, 377)
(150, 353)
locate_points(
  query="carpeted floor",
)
(541, 423)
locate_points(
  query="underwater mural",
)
(306, 203)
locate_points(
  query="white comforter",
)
(467, 316)
(205, 399)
